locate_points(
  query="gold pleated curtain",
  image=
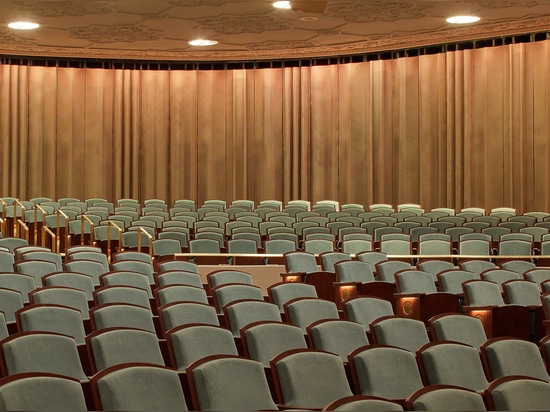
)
(457, 129)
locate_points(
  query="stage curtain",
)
(456, 129)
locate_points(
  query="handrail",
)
(15, 203)
(35, 229)
(140, 230)
(46, 229)
(58, 229)
(117, 227)
(25, 228)
(83, 219)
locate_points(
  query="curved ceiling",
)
(253, 29)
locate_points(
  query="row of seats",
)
(429, 277)
(289, 315)
(377, 369)
(323, 226)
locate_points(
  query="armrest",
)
(338, 284)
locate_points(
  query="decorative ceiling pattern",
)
(253, 29)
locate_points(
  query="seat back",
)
(18, 282)
(229, 383)
(415, 281)
(283, 292)
(477, 266)
(41, 352)
(115, 346)
(179, 277)
(403, 333)
(514, 393)
(385, 371)
(446, 398)
(302, 312)
(223, 277)
(452, 363)
(180, 293)
(185, 313)
(337, 336)
(522, 292)
(458, 328)
(52, 318)
(451, 280)
(228, 293)
(513, 357)
(121, 315)
(387, 269)
(122, 294)
(329, 259)
(364, 310)
(41, 391)
(482, 293)
(189, 343)
(244, 312)
(138, 386)
(62, 295)
(300, 262)
(73, 280)
(264, 340)
(354, 271)
(309, 378)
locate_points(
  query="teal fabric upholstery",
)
(403, 333)
(520, 394)
(459, 328)
(183, 313)
(448, 399)
(42, 352)
(41, 392)
(453, 364)
(386, 371)
(265, 340)
(284, 292)
(337, 336)
(139, 387)
(508, 357)
(242, 313)
(191, 343)
(365, 310)
(311, 379)
(121, 345)
(229, 384)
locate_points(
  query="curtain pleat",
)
(457, 129)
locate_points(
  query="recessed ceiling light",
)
(23, 25)
(202, 42)
(463, 19)
(309, 18)
(282, 4)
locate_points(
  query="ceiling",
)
(253, 29)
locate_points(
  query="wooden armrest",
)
(337, 284)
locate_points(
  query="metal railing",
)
(15, 224)
(83, 220)
(109, 240)
(140, 230)
(24, 228)
(37, 209)
(47, 231)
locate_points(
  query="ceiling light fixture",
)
(202, 42)
(282, 5)
(462, 19)
(23, 25)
